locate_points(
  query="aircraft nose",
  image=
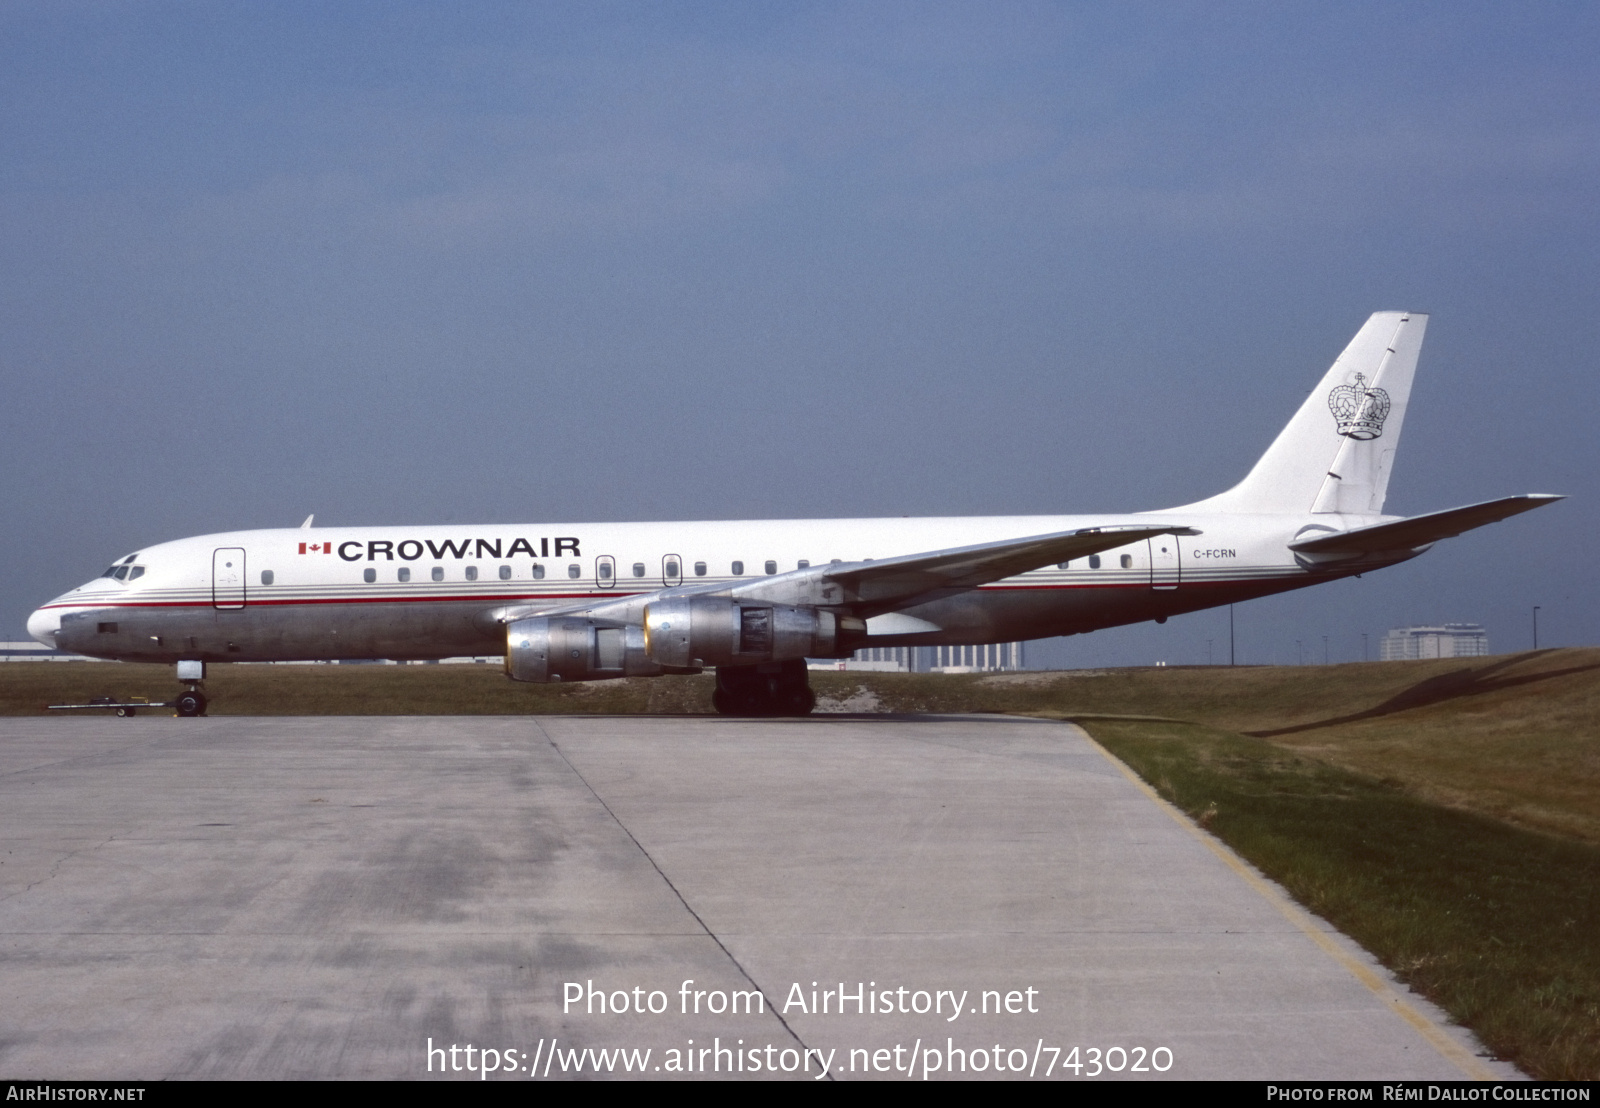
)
(43, 625)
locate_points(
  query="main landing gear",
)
(768, 689)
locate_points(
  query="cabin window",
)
(638, 569)
(603, 571)
(738, 569)
(1094, 561)
(266, 577)
(699, 569)
(672, 569)
(1127, 561)
(538, 572)
(804, 563)
(121, 573)
(138, 571)
(438, 573)
(1063, 565)
(771, 567)
(834, 561)
(369, 575)
(505, 572)
(405, 573)
(574, 571)
(472, 573)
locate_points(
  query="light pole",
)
(1363, 646)
(1536, 627)
(1324, 650)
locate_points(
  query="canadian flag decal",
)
(317, 548)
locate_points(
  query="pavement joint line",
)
(687, 907)
(1307, 923)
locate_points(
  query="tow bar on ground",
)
(121, 707)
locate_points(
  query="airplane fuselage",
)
(432, 592)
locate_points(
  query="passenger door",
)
(1165, 570)
(227, 577)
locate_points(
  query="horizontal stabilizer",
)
(1408, 534)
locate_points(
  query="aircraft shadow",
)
(1470, 681)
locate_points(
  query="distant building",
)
(1452, 640)
(983, 658)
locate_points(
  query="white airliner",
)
(754, 599)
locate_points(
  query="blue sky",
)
(407, 263)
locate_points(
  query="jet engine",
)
(571, 648)
(723, 631)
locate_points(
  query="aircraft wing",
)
(871, 587)
(1408, 534)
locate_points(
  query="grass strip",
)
(1494, 923)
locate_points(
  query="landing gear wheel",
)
(769, 689)
(798, 702)
(126, 711)
(191, 703)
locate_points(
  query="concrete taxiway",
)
(332, 897)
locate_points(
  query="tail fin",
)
(1337, 452)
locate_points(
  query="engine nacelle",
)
(722, 631)
(571, 648)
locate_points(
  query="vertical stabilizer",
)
(1336, 454)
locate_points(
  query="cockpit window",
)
(121, 570)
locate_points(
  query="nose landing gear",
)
(769, 689)
(193, 701)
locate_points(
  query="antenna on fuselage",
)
(306, 526)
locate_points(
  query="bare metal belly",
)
(280, 633)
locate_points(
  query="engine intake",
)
(722, 631)
(571, 648)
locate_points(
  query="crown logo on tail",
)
(1359, 410)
